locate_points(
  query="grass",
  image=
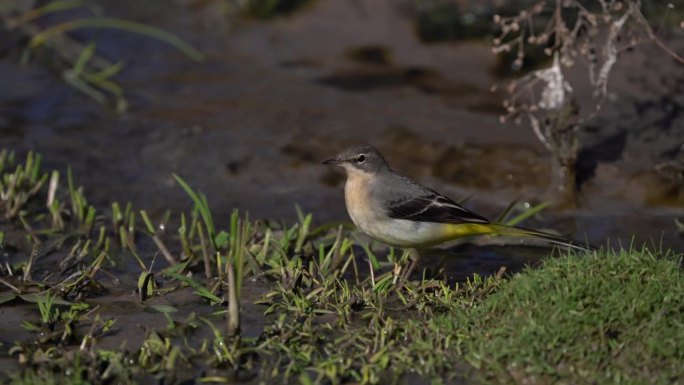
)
(330, 311)
(610, 318)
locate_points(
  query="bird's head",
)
(362, 157)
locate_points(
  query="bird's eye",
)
(361, 158)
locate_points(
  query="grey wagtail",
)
(401, 212)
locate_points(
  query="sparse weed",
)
(18, 186)
(47, 312)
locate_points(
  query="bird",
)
(400, 212)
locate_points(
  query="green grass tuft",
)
(608, 318)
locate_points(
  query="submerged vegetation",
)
(302, 304)
(79, 65)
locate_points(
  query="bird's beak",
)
(335, 160)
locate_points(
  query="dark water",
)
(251, 125)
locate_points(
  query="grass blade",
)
(124, 25)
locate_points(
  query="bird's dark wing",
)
(431, 207)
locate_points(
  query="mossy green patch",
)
(608, 317)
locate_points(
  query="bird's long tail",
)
(550, 238)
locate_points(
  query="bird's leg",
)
(415, 257)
